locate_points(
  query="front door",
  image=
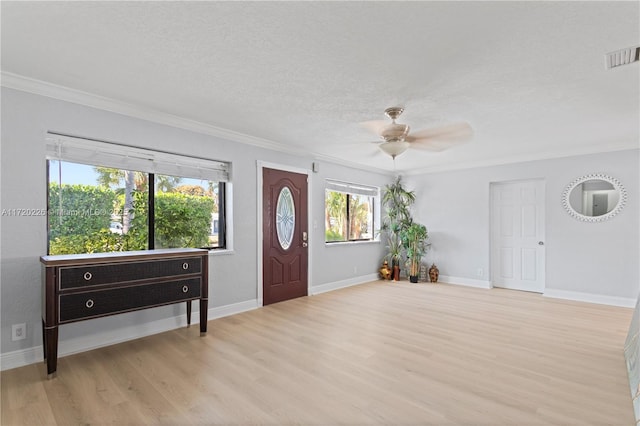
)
(285, 232)
(517, 228)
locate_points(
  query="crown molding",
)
(42, 88)
(354, 165)
(623, 146)
(50, 90)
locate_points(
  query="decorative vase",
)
(385, 271)
(433, 273)
(396, 273)
(413, 278)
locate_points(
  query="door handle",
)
(540, 243)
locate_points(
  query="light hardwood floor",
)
(378, 353)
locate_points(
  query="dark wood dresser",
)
(85, 286)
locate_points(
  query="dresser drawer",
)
(91, 304)
(83, 276)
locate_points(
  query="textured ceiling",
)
(529, 77)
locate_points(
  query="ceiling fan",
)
(396, 138)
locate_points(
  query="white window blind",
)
(352, 188)
(97, 153)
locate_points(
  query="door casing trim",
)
(260, 166)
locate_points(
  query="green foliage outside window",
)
(85, 209)
(348, 217)
(360, 224)
(82, 224)
(335, 216)
(182, 220)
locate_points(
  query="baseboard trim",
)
(469, 282)
(33, 355)
(600, 299)
(323, 288)
(21, 358)
(234, 308)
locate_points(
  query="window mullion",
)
(348, 236)
(151, 214)
(222, 220)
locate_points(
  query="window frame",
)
(69, 149)
(351, 189)
(151, 216)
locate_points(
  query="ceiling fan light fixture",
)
(394, 148)
(395, 131)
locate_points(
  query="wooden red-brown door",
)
(285, 235)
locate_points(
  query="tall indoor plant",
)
(414, 240)
(396, 200)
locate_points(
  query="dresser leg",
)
(44, 343)
(51, 351)
(203, 316)
(188, 313)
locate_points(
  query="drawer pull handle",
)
(89, 303)
(185, 289)
(87, 276)
(185, 266)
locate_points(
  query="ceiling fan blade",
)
(433, 145)
(374, 126)
(352, 144)
(458, 132)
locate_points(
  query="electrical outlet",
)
(18, 331)
(480, 273)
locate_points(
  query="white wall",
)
(599, 260)
(26, 118)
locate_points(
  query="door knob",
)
(540, 243)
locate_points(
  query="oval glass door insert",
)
(285, 218)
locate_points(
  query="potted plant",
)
(394, 245)
(414, 240)
(396, 201)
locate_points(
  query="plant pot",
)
(396, 273)
(413, 278)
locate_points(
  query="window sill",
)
(223, 252)
(350, 243)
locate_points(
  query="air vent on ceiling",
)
(622, 57)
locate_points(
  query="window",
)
(186, 212)
(349, 212)
(96, 207)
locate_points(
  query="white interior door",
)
(517, 235)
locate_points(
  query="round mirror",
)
(594, 198)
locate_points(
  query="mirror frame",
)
(579, 216)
